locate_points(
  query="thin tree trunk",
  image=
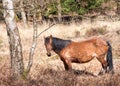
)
(14, 39)
(23, 14)
(59, 11)
(34, 41)
(118, 7)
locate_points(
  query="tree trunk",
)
(34, 40)
(23, 14)
(118, 7)
(14, 39)
(59, 11)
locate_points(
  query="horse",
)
(81, 52)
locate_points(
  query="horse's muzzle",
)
(48, 54)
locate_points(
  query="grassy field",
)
(50, 71)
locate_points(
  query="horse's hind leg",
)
(104, 64)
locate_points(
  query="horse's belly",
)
(85, 57)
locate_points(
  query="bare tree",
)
(14, 39)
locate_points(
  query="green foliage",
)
(51, 9)
(68, 6)
(82, 11)
(81, 7)
(92, 4)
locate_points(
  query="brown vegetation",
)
(47, 76)
(50, 71)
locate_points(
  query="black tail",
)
(109, 57)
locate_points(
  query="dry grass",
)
(96, 32)
(50, 71)
(50, 77)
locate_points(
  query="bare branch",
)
(45, 30)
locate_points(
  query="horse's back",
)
(85, 50)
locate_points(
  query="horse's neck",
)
(59, 44)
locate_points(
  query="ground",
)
(49, 71)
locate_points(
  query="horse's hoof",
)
(101, 73)
(70, 71)
(111, 72)
(78, 72)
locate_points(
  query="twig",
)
(45, 30)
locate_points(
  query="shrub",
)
(97, 31)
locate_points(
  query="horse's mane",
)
(58, 44)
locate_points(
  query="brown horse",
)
(81, 52)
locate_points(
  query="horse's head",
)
(48, 45)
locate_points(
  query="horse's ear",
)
(50, 38)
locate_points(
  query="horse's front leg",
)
(67, 64)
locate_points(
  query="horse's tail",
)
(109, 57)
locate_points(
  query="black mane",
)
(57, 43)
